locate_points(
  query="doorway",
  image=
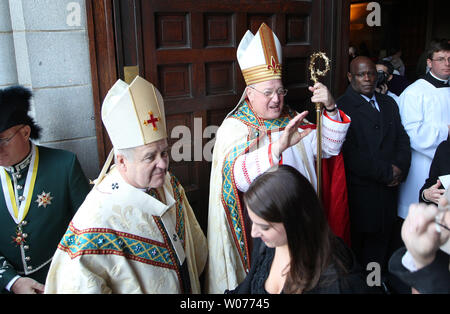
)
(187, 49)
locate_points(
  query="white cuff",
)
(336, 116)
(408, 262)
(10, 284)
(423, 196)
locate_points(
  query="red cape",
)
(334, 195)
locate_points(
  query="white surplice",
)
(425, 113)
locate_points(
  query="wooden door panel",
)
(172, 30)
(175, 81)
(219, 30)
(254, 21)
(182, 144)
(219, 78)
(298, 29)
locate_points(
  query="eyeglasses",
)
(442, 60)
(270, 93)
(5, 141)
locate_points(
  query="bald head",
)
(354, 65)
(362, 76)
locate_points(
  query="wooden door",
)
(188, 50)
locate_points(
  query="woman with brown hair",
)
(295, 251)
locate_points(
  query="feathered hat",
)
(14, 107)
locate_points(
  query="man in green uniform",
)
(41, 189)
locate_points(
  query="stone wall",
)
(44, 46)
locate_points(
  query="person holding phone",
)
(421, 264)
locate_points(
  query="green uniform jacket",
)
(60, 174)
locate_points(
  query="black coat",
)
(331, 281)
(375, 141)
(440, 166)
(433, 278)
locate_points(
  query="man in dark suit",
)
(421, 264)
(377, 157)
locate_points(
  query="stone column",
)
(8, 72)
(51, 49)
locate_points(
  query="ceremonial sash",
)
(18, 213)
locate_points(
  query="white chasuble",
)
(123, 240)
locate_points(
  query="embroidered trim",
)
(258, 168)
(231, 203)
(230, 197)
(171, 252)
(27, 272)
(22, 165)
(180, 227)
(244, 169)
(332, 140)
(102, 241)
(268, 45)
(329, 130)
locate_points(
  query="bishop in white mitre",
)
(135, 232)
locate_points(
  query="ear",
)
(121, 163)
(349, 77)
(249, 91)
(429, 63)
(26, 131)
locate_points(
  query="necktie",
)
(372, 102)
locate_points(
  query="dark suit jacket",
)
(331, 281)
(440, 166)
(434, 278)
(375, 141)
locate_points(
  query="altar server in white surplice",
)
(425, 112)
(135, 232)
(259, 132)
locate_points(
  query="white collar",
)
(114, 183)
(443, 81)
(369, 99)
